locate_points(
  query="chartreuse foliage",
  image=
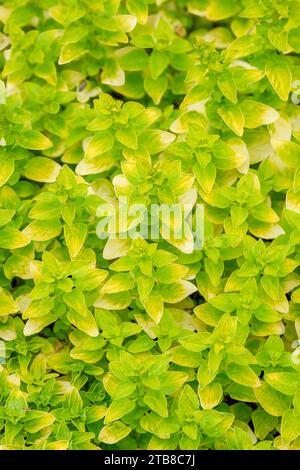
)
(149, 343)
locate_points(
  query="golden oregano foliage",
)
(110, 338)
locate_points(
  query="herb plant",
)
(149, 342)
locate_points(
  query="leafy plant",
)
(149, 342)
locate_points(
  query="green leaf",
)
(138, 9)
(280, 77)
(76, 300)
(296, 181)
(173, 293)
(46, 71)
(270, 284)
(35, 325)
(154, 306)
(6, 169)
(288, 152)
(34, 140)
(238, 439)
(158, 62)
(11, 238)
(264, 213)
(127, 137)
(211, 395)
(257, 114)
(272, 401)
(263, 423)
(7, 303)
(37, 420)
(254, 11)
(38, 308)
(157, 402)
(214, 423)
(42, 230)
(216, 11)
(205, 176)
(112, 73)
(284, 382)
(100, 143)
(42, 169)
(113, 432)
(155, 140)
(243, 46)
(156, 88)
(132, 59)
(290, 426)
(118, 283)
(75, 236)
(238, 215)
(117, 301)
(243, 375)
(233, 117)
(228, 87)
(85, 323)
(70, 52)
(293, 39)
(171, 273)
(118, 408)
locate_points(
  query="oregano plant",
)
(149, 224)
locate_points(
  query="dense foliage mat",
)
(149, 343)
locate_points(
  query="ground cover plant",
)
(149, 342)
